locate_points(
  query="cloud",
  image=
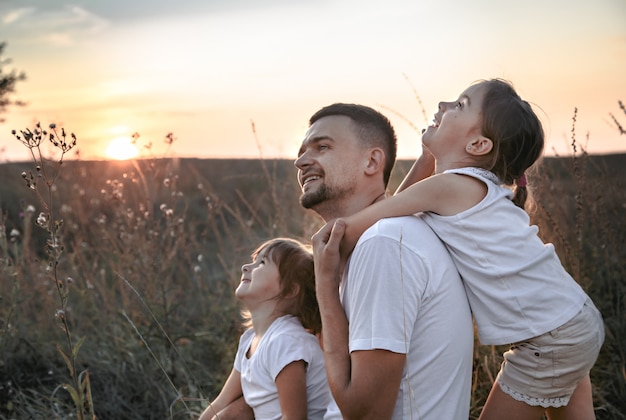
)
(64, 26)
(15, 15)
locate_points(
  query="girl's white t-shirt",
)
(284, 342)
(516, 284)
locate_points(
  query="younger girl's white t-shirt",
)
(284, 342)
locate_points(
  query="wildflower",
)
(30, 208)
(14, 235)
(60, 314)
(53, 126)
(197, 269)
(167, 182)
(42, 220)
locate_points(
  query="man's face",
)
(328, 163)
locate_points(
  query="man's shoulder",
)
(400, 227)
(411, 231)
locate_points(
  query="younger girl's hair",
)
(516, 132)
(297, 279)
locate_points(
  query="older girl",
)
(517, 288)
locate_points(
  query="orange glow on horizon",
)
(122, 148)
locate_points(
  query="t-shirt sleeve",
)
(387, 282)
(284, 349)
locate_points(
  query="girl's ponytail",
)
(521, 191)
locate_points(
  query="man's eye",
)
(459, 104)
(323, 147)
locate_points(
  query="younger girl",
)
(279, 366)
(517, 288)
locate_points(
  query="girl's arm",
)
(229, 393)
(443, 194)
(422, 168)
(291, 385)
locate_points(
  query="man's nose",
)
(302, 161)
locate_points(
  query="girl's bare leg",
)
(501, 406)
(580, 405)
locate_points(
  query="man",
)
(396, 325)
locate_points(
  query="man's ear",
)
(480, 146)
(375, 162)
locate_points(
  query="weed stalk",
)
(42, 182)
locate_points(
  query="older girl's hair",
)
(516, 132)
(297, 279)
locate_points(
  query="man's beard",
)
(308, 200)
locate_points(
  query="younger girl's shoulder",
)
(287, 324)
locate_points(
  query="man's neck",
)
(354, 204)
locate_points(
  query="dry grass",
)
(152, 250)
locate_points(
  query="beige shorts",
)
(545, 370)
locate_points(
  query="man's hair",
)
(372, 128)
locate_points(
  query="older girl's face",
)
(456, 123)
(260, 281)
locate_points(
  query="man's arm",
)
(364, 384)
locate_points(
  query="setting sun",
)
(122, 148)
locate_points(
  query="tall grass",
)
(152, 250)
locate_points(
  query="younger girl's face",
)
(456, 123)
(260, 281)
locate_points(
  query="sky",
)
(240, 78)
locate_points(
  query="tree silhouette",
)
(7, 84)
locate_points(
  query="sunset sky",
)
(205, 69)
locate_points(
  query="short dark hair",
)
(372, 129)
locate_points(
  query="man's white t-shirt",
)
(401, 292)
(285, 341)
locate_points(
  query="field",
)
(118, 300)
